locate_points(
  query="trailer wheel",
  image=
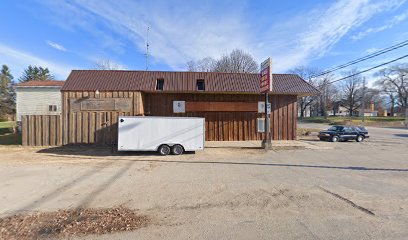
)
(164, 150)
(177, 149)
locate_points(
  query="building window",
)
(200, 85)
(52, 108)
(160, 84)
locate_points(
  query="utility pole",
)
(266, 87)
(147, 48)
(406, 111)
(363, 103)
(268, 142)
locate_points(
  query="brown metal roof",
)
(41, 83)
(119, 80)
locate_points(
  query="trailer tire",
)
(177, 149)
(164, 150)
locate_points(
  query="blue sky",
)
(64, 35)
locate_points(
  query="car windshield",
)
(335, 128)
(361, 129)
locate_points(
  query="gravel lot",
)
(348, 191)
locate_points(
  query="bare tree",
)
(387, 89)
(191, 66)
(306, 74)
(328, 95)
(372, 95)
(223, 64)
(106, 64)
(351, 92)
(394, 81)
(204, 65)
(237, 61)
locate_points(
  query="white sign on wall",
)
(179, 106)
(261, 107)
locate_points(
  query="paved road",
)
(351, 191)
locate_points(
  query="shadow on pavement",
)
(95, 151)
(68, 185)
(96, 189)
(234, 147)
(354, 168)
(401, 135)
(104, 185)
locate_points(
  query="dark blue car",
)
(344, 133)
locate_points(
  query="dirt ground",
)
(348, 191)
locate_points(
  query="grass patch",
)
(385, 119)
(315, 120)
(6, 127)
(7, 136)
(306, 131)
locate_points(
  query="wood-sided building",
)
(92, 100)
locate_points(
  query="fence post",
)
(41, 130)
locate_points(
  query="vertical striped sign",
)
(265, 82)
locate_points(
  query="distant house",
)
(38, 98)
(370, 112)
(339, 111)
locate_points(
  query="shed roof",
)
(41, 83)
(120, 80)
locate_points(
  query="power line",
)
(355, 74)
(375, 54)
(366, 70)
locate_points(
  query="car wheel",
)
(164, 150)
(335, 139)
(177, 149)
(360, 138)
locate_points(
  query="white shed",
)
(38, 98)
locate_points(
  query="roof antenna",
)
(147, 48)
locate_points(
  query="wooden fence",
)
(95, 128)
(41, 130)
(82, 128)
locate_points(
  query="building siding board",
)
(236, 127)
(99, 127)
(36, 101)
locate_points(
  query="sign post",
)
(265, 84)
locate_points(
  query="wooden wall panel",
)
(100, 127)
(221, 106)
(284, 118)
(95, 127)
(41, 130)
(230, 126)
(24, 131)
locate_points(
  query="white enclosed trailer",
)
(162, 134)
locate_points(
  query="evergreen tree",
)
(7, 94)
(36, 73)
